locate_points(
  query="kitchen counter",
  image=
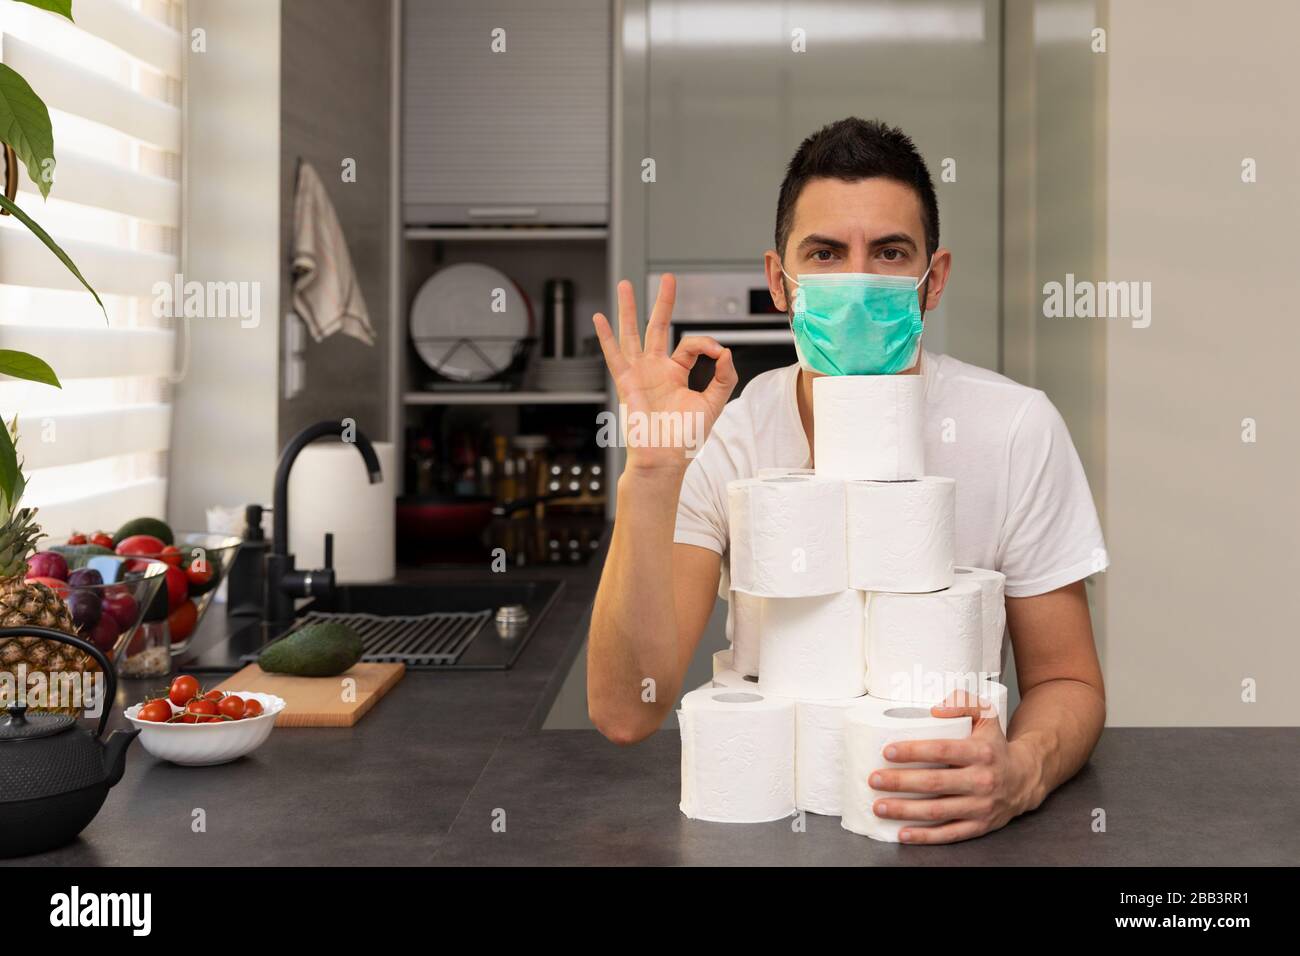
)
(422, 778)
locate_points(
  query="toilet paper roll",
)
(869, 426)
(921, 647)
(778, 472)
(731, 678)
(787, 536)
(994, 612)
(868, 729)
(813, 647)
(901, 534)
(744, 630)
(721, 661)
(996, 694)
(330, 490)
(737, 756)
(819, 754)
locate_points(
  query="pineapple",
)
(23, 602)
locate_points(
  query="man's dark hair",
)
(853, 149)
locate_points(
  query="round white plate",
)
(457, 302)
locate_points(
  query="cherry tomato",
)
(201, 707)
(215, 695)
(102, 539)
(178, 587)
(232, 706)
(184, 719)
(215, 719)
(79, 538)
(172, 555)
(199, 573)
(181, 622)
(252, 708)
(141, 545)
(183, 690)
(156, 710)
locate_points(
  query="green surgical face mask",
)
(857, 323)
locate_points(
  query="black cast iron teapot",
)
(54, 775)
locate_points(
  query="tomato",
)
(172, 555)
(201, 707)
(215, 695)
(182, 620)
(141, 545)
(184, 719)
(156, 711)
(216, 719)
(79, 538)
(54, 584)
(252, 708)
(178, 588)
(183, 690)
(232, 706)
(199, 573)
(102, 539)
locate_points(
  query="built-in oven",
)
(736, 309)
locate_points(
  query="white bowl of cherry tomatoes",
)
(194, 728)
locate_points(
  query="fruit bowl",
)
(205, 560)
(109, 606)
(202, 745)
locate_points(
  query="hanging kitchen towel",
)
(326, 294)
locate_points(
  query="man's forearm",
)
(1052, 732)
(634, 622)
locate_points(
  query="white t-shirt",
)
(1023, 503)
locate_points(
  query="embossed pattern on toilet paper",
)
(922, 646)
(744, 622)
(901, 534)
(787, 536)
(814, 647)
(869, 426)
(994, 612)
(819, 754)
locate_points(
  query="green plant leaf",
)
(62, 7)
(26, 366)
(9, 473)
(25, 125)
(44, 236)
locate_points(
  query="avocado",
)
(150, 526)
(317, 650)
(78, 554)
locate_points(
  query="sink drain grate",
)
(417, 640)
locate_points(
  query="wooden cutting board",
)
(320, 701)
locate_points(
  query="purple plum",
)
(86, 609)
(85, 578)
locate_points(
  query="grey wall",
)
(335, 99)
(224, 442)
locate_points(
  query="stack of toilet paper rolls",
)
(847, 620)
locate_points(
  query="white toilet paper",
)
(869, 426)
(813, 647)
(737, 756)
(744, 627)
(787, 536)
(994, 611)
(901, 534)
(920, 647)
(721, 661)
(778, 472)
(819, 754)
(330, 491)
(868, 729)
(731, 678)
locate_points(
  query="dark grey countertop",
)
(422, 778)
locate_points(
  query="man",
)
(858, 198)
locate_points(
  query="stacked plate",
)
(581, 374)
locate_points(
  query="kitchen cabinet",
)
(728, 101)
(506, 112)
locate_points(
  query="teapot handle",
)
(82, 645)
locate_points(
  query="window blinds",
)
(96, 449)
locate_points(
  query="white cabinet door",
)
(506, 111)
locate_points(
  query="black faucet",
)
(284, 583)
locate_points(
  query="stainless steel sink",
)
(445, 625)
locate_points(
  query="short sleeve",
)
(1051, 536)
(702, 505)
